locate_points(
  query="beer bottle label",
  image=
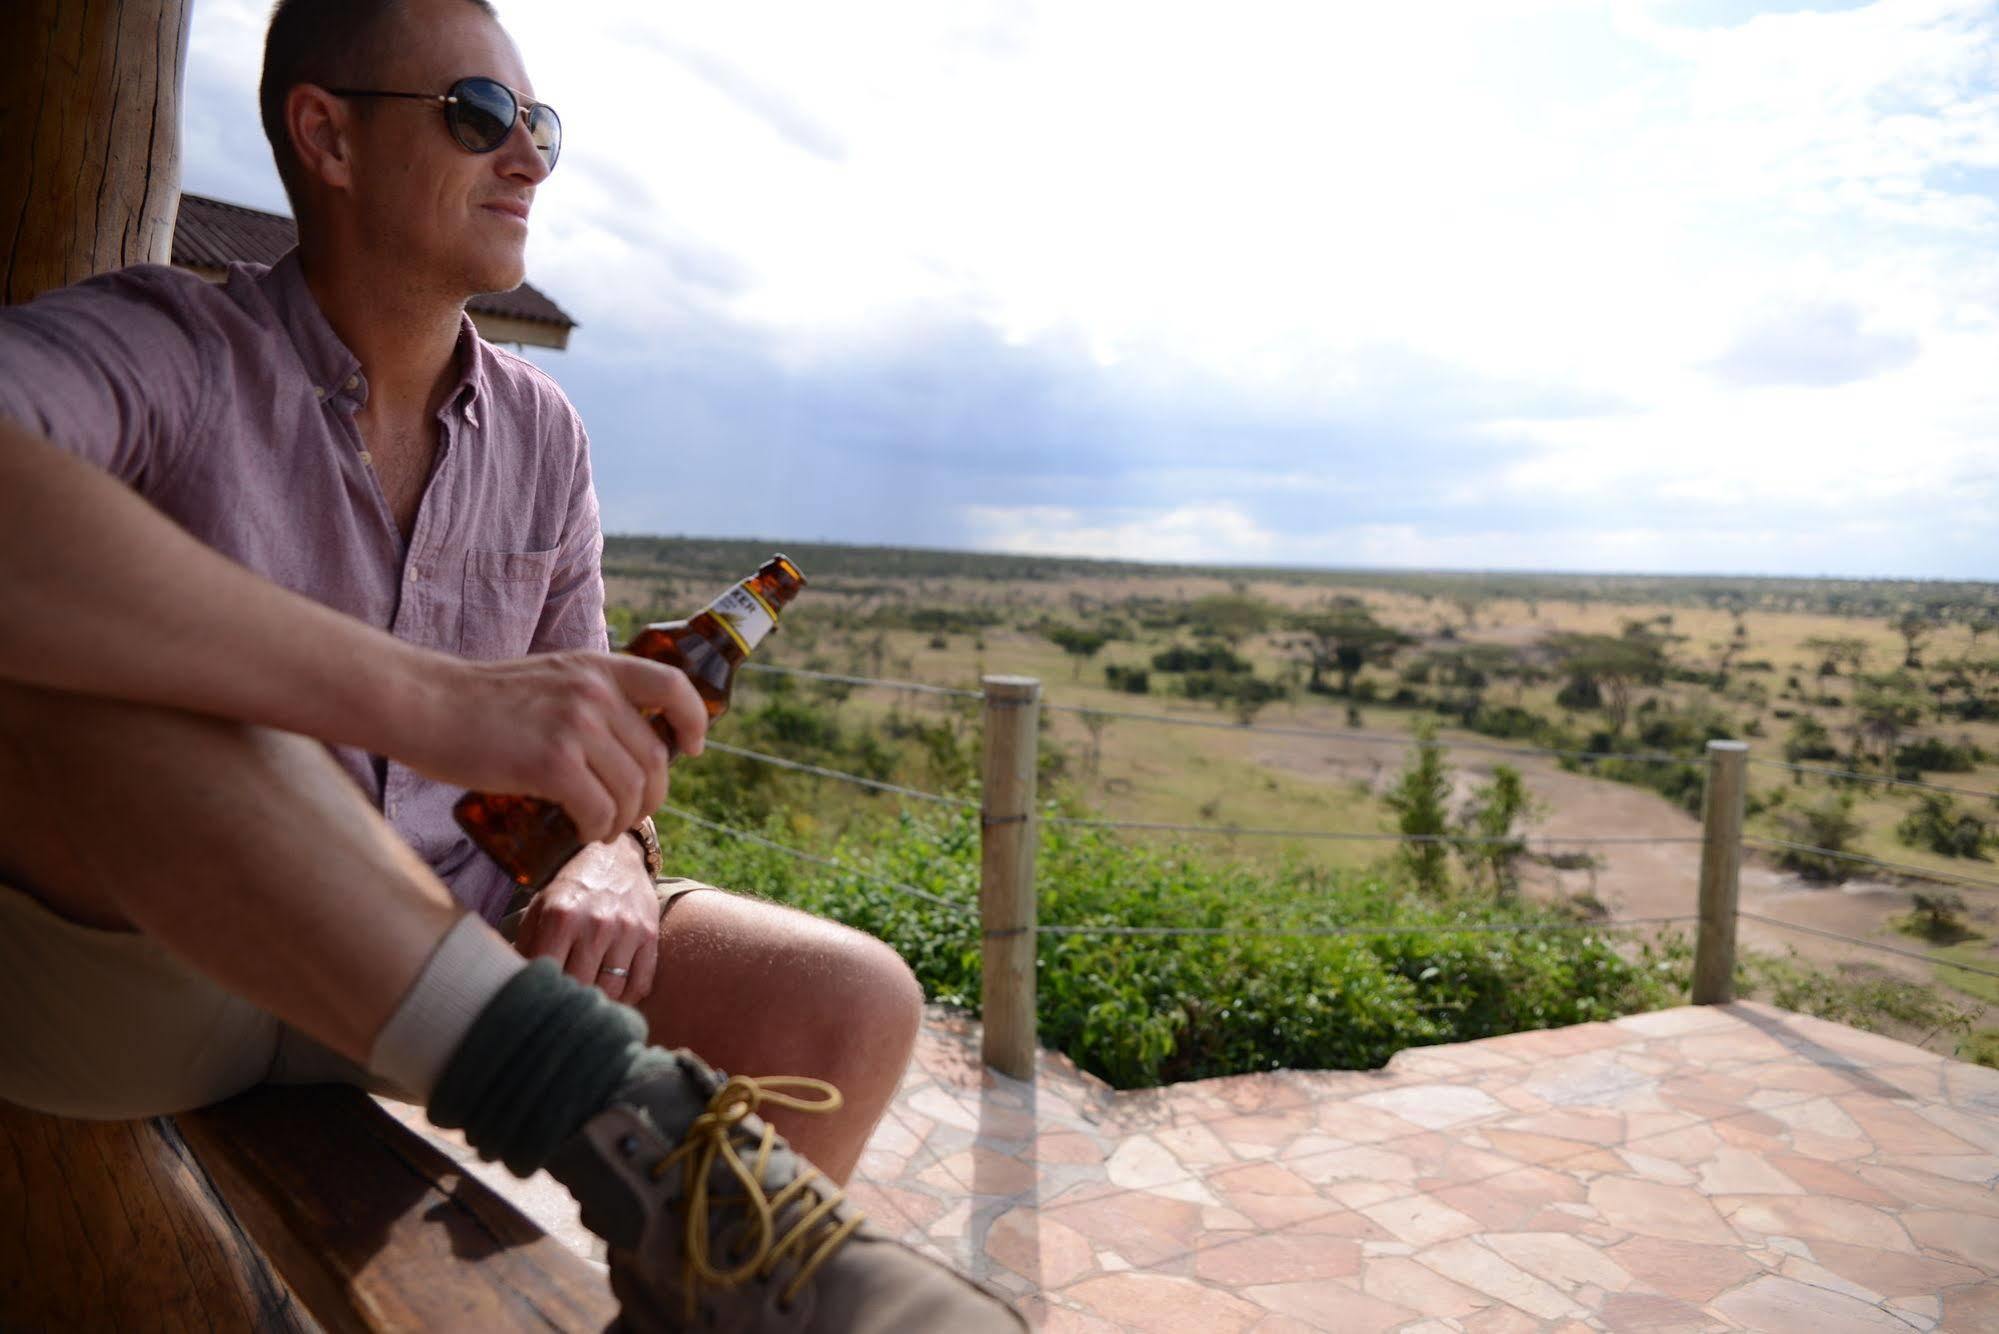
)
(744, 615)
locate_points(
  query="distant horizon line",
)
(1297, 568)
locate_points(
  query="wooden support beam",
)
(89, 138)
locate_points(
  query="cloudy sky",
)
(1664, 285)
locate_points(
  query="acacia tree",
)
(1915, 630)
(1615, 665)
(1345, 641)
(1081, 645)
(1837, 649)
(1883, 710)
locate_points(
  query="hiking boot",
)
(714, 1223)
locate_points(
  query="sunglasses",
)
(481, 112)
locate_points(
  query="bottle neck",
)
(744, 614)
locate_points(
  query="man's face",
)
(451, 217)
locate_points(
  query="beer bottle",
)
(531, 838)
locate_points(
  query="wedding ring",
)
(616, 972)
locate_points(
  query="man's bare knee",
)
(810, 988)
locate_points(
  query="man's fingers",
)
(623, 782)
(650, 685)
(648, 753)
(586, 955)
(582, 792)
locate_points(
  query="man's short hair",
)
(333, 43)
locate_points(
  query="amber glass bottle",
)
(531, 838)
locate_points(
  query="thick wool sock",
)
(543, 1057)
(466, 970)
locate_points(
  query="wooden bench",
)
(284, 1209)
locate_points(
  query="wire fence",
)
(1524, 842)
(1900, 868)
(909, 687)
(1376, 929)
(859, 780)
(1373, 738)
(887, 882)
(1258, 729)
(1883, 780)
(1876, 945)
(1223, 830)
(1340, 836)
(1108, 929)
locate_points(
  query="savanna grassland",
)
(1882, 679)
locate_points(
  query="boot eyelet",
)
(629, 1145)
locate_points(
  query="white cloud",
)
(1603, 199)
(1212, 532)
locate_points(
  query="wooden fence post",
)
(1721, 871)
(1007, 839)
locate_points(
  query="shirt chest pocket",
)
(504, 595)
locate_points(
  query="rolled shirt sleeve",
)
(109, 370)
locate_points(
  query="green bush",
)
(1935, 756)
(1509, 722)
(1141, 1010)
(1981, 1047)
(1209, 658)
(1130, 680)
(1939, 826)
(1827, 825)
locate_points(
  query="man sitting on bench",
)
(287, 563)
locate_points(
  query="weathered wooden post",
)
(1721, 871)
(89, 138)
(1006, 880)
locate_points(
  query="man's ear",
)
(319, 125)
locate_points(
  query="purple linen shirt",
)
(231, 409)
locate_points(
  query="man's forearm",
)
(101, 594)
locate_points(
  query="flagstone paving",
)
(1711, 1168)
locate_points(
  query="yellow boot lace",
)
(709, 1139)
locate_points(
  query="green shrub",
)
(1981, 1048)
(1508, 721)
(1420, 799)
(1859, 995)
(1207, 658)
(1141, 1010)
(1939, 826)
(1130, 680)
(1935, 756)
(1938, 917)
(1827, 825)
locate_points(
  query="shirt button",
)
(318, 392)
(353, 382)
(367, 458)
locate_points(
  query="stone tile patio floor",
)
(1717, 1168)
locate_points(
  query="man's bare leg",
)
(758, 988)
(247, 852)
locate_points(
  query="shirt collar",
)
(475, 364)
(335, 371)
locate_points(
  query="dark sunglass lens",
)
(483, 115)
(546, 127)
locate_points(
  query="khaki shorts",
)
(110, 1026)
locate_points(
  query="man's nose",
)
(520, 156)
